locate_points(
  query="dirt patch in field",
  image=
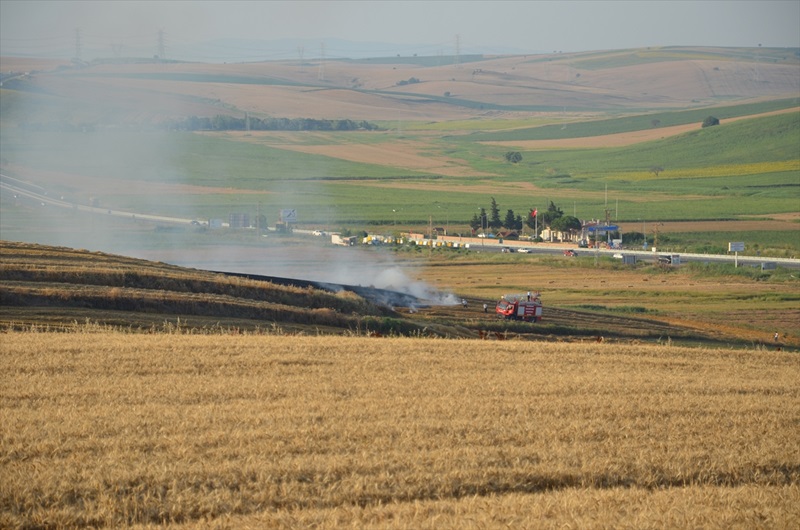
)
(27, 64)
(774, 224)
(401, 154)
(793, 217)
(624, 139)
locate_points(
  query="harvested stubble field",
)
(107, 429)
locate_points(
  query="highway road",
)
(20, 188)
(494, 245)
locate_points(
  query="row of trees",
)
(552, 217)
(231, 123)
(411, 81)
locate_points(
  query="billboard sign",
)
(288, 215)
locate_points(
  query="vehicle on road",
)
(570, 253)
(670, 259)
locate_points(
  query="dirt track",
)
(588, 326)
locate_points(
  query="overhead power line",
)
(78, 43)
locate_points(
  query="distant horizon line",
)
(260, 58)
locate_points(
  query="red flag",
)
(534, 212)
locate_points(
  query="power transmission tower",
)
(161, 52)
(78, 43)
(321, 71)
(458, 52)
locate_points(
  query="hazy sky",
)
(38, 27)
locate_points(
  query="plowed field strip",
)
(584, 322)
(618, 325)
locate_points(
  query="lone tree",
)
(494, 216)
(655, 170)
(710, 122)
(513, 156)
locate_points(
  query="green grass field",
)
(751, 167)
(641, 122)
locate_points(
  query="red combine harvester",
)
(527, 307)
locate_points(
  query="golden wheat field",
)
(110, 429)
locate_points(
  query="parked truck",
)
(527, 307)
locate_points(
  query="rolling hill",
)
(624, 81)
(58, 288)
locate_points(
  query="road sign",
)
(735, 247)
(289, 215)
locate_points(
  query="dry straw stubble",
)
(112, 429)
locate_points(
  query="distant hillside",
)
(408, 88)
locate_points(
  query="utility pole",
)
(161, 52)
(430, 228)
(301, 51)
(321, 71)
(644, 233)
(655, 236)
